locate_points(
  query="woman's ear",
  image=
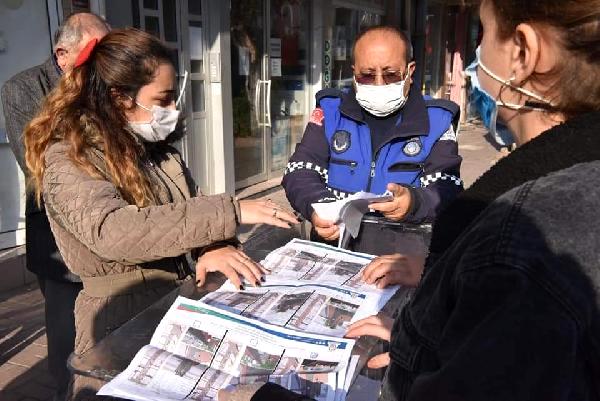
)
(524, 54)
(534, 54)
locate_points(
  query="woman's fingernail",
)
(263, 279)
(257, 283)
(198, 283)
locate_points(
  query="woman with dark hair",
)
(509, 304)
(121, 202)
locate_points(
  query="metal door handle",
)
(268, 108)
(256, 101)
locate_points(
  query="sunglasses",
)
(389, 77)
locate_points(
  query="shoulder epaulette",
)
(443, 104)
(328, 92)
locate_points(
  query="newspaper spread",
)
(288, 331)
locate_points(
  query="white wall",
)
(25, 34)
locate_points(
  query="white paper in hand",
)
(332, 211)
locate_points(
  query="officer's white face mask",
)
(382, 100)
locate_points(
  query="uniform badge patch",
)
(316, 116)
(412, 147)
(340, 141)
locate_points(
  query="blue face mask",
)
(486, 106)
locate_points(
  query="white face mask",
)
(508, 82)
(163, 120)
(381, 100)
(160, 127)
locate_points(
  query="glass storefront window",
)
(348, 24)
(170, 21)
(197, 95)
(151, 4)
(196, 46)
(195, 7)
(152, 25)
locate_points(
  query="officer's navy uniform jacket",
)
(345, 150)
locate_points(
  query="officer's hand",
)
(394, 269)
(397, 208)
(326, 229)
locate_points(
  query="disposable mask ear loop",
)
(182, 90)
(509, 83)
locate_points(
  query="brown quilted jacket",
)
(100, 234)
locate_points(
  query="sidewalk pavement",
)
(23, 352)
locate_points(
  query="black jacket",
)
(509, 305)
(22, 97)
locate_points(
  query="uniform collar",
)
(415, 110)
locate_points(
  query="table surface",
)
(113, 354)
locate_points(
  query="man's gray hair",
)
(75, 25)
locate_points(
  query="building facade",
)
(254, 68)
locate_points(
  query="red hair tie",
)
(86, 52)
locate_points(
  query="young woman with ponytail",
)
(120, 200)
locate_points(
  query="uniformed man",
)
(380, 135)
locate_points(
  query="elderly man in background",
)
(22, 96)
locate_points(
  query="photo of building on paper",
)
(311, 385)
(209, 385)
(235, 302)
(341, 272)
(198, 345)
(355, 282)
(315, 365)
(335, 316)
(226, 357)
(180, 376)
(319, 268)
(285, 307)
(257, 363)
(170, 335)
(287, 365)
(148, 366)
(259, 308)
(307, 312)
(293, 266)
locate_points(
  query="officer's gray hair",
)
(391, 29)
(75, 25)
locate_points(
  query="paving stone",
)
(32, 389)
(31, 355)
(9, 373)
(42, 340)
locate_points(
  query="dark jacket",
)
(509, 308)
(306, 177)
(22, 97)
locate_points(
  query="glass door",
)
(288, 51)
(248, 87)
(269, 69)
